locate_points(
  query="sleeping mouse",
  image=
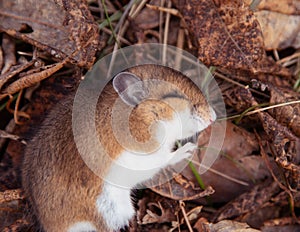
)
(66, 195)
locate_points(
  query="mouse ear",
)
(129, 87)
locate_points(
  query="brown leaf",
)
(164, 215)
(227, 34)
(285, 145)
(11, 195)
(177, 188)
(62, 28)
(229, 226)
(291, 7)
(276, 34)
(248, 201)
(280, 222)
(156, 209)
(289, 115)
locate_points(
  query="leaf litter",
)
(46, 46)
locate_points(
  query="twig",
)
(161, 14)
(276, 55)
(15, 111)
(262, 109)
(138, 9)
(181, 205)
(6, 135)
(165, 9)
(166, 32)
(288, 58)
(180, 43)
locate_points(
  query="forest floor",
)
(250, 48)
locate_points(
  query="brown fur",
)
(60, 187)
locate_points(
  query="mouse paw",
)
(184, 152)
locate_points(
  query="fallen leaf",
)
(230, 226)
(289, 115)
(11, 195)
(273, 17)
(291, 7)
(228, 35)
(63, 28)
(249, 201)
(156, 209)
(160, 217)
(277, 35)
(285, 145)
(176, 188)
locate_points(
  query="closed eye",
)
(174, 94)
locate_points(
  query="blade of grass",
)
(237, 121)
(197, 176)
(109, 23)
(249, 112)
(114, 17)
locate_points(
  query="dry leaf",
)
(178, 188)
(11, 195)
(228, 35)
(156, 209)
(230, 226)
(273, 17)
(163, 215)
(285, 145)
(63, 28)
(283, 139)
(287, 115)
(291, 7)
(277, 35)
(249, 201)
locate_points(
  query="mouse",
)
(64, 194)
